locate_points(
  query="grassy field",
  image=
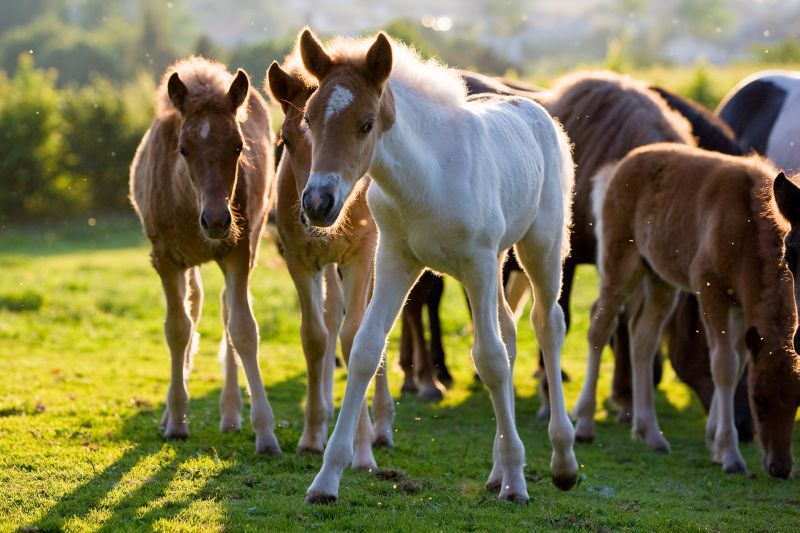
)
(85, 372)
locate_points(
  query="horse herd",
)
(394, 167)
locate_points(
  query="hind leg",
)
(357, 280)
(433, 302)
(409, 337)
(492, 363)
(230, 400)
(332, 315)
(646, 325)
(563, 301)
(621, 271)
(540, 254)
(508, 333)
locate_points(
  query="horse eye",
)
(285, 141)
(238, 148)
(366, 127)
(184, 153)
(307, 120)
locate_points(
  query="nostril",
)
(227, 221)
(306, 200)
(327, 203)
(203, 220)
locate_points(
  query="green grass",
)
(85, 372)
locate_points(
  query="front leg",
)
(395, 274)
(243, 334)
(314, 338)
(178, 328)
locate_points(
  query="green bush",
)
(35, 182)
(100, 141)
(68, 151)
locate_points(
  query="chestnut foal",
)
(313, 254)
(199, 183)
(670, 218)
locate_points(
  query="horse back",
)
(689, 212)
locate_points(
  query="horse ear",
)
(787, 196)
(753, 341)
(315, 58)
(238, 91)
(379, 60)
(177, 91)
(281, 86)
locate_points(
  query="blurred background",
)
(77, 77)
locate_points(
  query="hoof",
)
(365, 464)
(737, 467)
(657, 443)
(383, 441)
(624, 417)
(565, 483)
(431, 394)
(514, 497)
(313, 498)
(176, 431)
(408, 389)
(445, 379)
(228, 424)
(308, 450)
(585, 438)
(176, 435)
(494, 485)
(268, 446)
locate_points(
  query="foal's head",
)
(291, 92)
(346, 116)
(774, 397)
(774, 381)
(211, 144)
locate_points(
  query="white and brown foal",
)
(456, 183)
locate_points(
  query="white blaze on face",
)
(204, 128)
(340, 98)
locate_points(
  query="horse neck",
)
(407, 159)
(772, 308)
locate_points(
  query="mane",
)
(207, 83)
(771, 229)
(430, 77)
(712, 133)
(621, 111)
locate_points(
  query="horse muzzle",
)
(216, 224)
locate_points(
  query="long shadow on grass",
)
(154, 480)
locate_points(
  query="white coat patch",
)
(204, 128)
(341, 97)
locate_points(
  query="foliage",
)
(699, 88)
(67, 150)
(34, 179)
(85, 376)
(101, 139)
(781, 53)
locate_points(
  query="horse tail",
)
(600, 182)
(567, 176)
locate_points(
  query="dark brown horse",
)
(199, 183)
